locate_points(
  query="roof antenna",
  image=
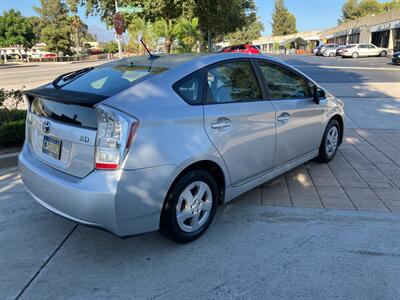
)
(140, 40)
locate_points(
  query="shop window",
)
(396, 40)
(381, 38)
(354, 38)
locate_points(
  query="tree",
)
(188, 33)
(167, 29)
(16, 30)
(79, 29)
(55, 26)
(283, 22)
(110, 47)
(246, 34)
(354, 9)
(143, 27)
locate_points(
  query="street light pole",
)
(118, 35)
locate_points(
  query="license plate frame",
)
(52, 147)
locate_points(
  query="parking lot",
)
(321, 231)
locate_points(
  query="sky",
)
(310, 14)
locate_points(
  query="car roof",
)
(172, 61)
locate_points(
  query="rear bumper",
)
(122, 202)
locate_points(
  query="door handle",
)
(221, 123)
(283, 118)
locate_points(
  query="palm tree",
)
(189, 33)
(77, 24)
(143, 27)
(168, 30)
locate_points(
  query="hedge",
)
(12, 133)
(12, 127)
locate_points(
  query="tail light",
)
(115, 134)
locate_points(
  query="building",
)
(297, 40)
(382, 30)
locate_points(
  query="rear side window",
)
(232, 82)
(282, 82)
(190, 88)
(109, 79)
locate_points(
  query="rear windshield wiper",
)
(70, 75)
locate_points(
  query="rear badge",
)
(84, 139)
(46, 127)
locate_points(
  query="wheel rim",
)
(194, 206)
(332, 140)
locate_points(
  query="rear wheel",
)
(330, 142)
(331, 54)
(190, 206)
(355, 55)
(383, 53)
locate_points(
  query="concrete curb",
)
(8, 160)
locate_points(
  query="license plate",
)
(52, 147)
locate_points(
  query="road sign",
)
(118, 23)
(130, 9)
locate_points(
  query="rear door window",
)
(109, 79)
(233, 81)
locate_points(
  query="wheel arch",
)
(212, 167)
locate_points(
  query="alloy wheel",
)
(194, 206)
(332, 140)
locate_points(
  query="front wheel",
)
(330, 142)
(190, 206)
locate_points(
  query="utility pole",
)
(118, 35)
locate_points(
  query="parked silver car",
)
(363, 50)
(143, 143)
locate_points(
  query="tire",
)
(383, 54)
(331, 54)
(181, 200)
(355, 55)
(330, 142)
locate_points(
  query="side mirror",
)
(318, 94)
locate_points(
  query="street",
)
(321, 231)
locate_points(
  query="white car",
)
(331, 52)
(363, 50)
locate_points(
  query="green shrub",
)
(12, 133)
(8, 115)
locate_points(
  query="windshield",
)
(109, 79)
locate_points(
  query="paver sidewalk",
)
(365, 175)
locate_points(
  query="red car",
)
(49, 55)
(246, 48)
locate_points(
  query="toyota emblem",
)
(46, 127)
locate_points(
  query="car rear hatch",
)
(62, 121)
(62, 133)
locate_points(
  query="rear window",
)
(67, 113)
(109, 79)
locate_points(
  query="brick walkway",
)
(365, 175)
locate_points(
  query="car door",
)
(299, 118)
(363, 50)
(373, 50)
(238, 120)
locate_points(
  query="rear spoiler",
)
(64, 96)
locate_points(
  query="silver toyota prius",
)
(148, 143)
